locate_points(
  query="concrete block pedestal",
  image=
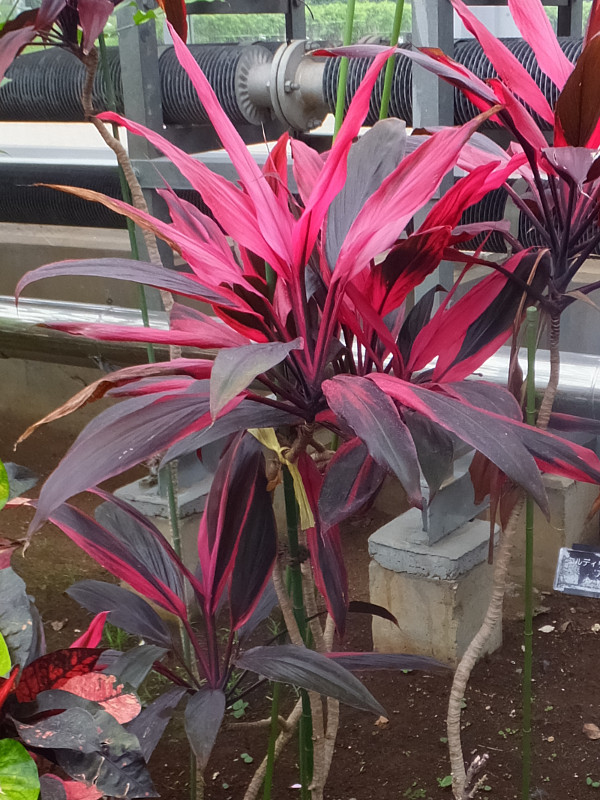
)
(439, 592)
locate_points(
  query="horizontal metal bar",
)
(237, 7)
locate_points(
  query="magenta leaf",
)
(92, 636)
(510, 69)
(256, 553)
(375, 419)
(235, 369)
(536, 28)
(299, 666)
(203, 717)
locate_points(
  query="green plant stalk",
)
(125, 193)
(532, 327)
(273, 734)
(389, 67)
(294, 579)
(341, 90)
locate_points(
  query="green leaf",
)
(5, 662)
(19, 779)
(445, 781)
(4, 486)
(143, 16)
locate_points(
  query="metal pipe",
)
(579, 387)
(22, 337)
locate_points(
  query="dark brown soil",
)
(405, 758)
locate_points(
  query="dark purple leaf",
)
(133, 666)
(416, 319)
(110, 552)
(74, 729)
(236, 367)
(363, 662)
(249, 414)
(20, 479)
(203, 717)
(117, 769)
(118, 439)
(376, 154)
(128, 611)
(144, 540)
(299, 666)
(151, 722)
(52, 787)
(325, 549)
(486, 396)
(351, 480)
(152, 546)
(375, 419)
(125, 269)
(508, 444)
(363, 607)
(571, 424)
(256, 553)
(235, 497)
(16, 622)
(435, 448)
(262, 610)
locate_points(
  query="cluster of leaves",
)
(311, 327)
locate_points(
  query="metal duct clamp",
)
(295, 85)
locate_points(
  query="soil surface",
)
(407, 756)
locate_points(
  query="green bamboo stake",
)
(389, 67)
(294, 577)
(531, 331)
(341, 90)
(273, 734)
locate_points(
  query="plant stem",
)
(532, 326)
(389, 67)
(340, 102)
(305, 755)
(273, 734)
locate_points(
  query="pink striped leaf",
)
(510, 69)
(536, 28)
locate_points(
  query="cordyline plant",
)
(561, 206)
(311, 329)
